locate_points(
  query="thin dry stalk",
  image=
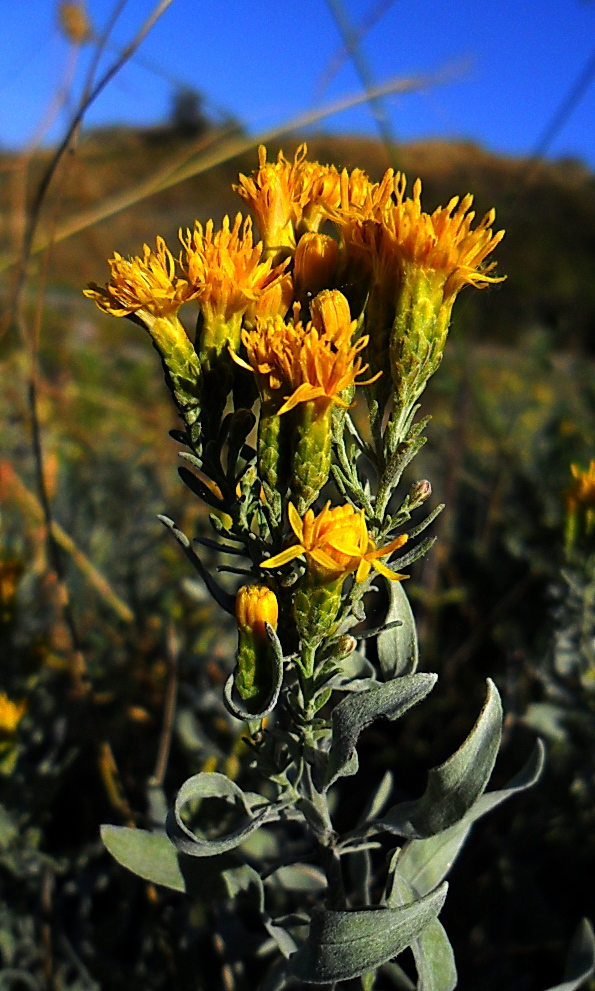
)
(30, 340)
(169, 708)
(12, 486)
(175, 172)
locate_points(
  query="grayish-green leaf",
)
(150, 855)
(378, 799)
(434, 959)
(253, 811)
(580, 964)
(232, 699)
(397, 648)
(342, 945)
(299, 877)
(398, 977)
(548, 719)
(353, 714)
(425, 863)
(433, 954)
(454, 786)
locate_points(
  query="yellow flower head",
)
(286, 194)
(442, 242)
(336, 543)
(582, 489)
(225, 269)
(147, 286)
(362, 198)
(310, 362)
(11, 714)
(255, 606)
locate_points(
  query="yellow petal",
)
(295, 522)
(303, 394)
(284, 557)
(388, 572)
(388, 548)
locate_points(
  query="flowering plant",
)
(301, 475)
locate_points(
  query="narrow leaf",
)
(221, 597)
(454, 786)
(353, 714)
(434, 959)
(425, 863)
(580, 965)
(397, 647)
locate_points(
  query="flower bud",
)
(419, 493)
(255, 606)
(315, 262)
(331, 315)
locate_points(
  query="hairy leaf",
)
(397, 647)
(253, 813)
(342, 945)
(352, 715)
(425, 863)
(434, 959)
(432, 952)
(454, 786)
(236, 706)
(150, 855)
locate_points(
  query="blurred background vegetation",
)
(113, 656)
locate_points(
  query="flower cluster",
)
(290, 325)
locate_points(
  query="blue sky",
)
(265, 62)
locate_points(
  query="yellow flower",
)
(362, 198)
(287, 196)
(582, 490)
(146, 286)
(442, 242)
(336, 543)
(310, 362)
(11, 714)
(225, 269)
(255, 606)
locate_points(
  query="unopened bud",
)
(345, 646)
(331, 314)
(255, 606)
(419, 493)
(274, 301)
(315, 262)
